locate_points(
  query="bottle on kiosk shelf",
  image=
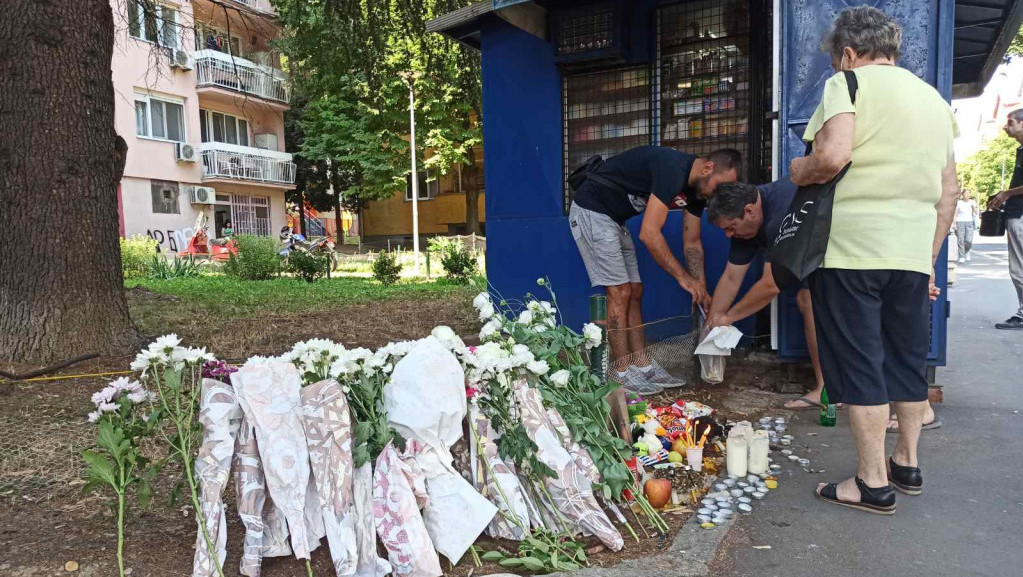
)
(828, 416)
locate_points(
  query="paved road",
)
(969, 521)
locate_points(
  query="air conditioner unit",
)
(184, 152)
(266, 141)
(204, 195)
(181, 59)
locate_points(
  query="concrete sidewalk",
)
(969, 521)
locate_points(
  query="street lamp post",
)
(415, 176)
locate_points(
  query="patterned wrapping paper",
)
(571, 489)
(328, 431)
(582, 457)
(503, 481)
(369, 564)
(399, 491)
(269, 395)
(220, 416)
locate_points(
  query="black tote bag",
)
(803, 235)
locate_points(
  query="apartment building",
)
(200, 100)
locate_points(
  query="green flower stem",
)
(490, 469)
(120, 533)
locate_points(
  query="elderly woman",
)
(891, 213)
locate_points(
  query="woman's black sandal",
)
(880, 501)
(906, 480)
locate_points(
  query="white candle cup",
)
(695, 457)
(737, 456)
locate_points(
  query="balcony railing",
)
(233, 162)
(260, 5)
(214, 68)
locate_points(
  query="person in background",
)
(644, 180)
(965, 225)
(751, 216)
(1011, 202)
(228, 230)
(892, 212)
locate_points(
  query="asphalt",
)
(969, 521)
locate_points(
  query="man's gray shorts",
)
(606, 247)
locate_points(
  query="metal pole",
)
(415, 180)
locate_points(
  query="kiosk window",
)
(603, 113)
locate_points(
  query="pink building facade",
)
(200, 101)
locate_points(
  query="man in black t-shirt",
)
(751, 216)
(1011, 201)
(647, 180)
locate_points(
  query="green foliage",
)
(236, 298)
(257, 259)
(308, 266)
(457, 260)
(386, 268)
(351, 114)
(543, 552)
(989, 171)
(1016, 46)
(137, 255)
(165, 269)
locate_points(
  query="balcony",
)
(243, 163)
(258, 5)
(215, 69)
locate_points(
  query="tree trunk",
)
(472, 197)
(335, 186)
(61, 285)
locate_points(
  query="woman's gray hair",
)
(865, 29)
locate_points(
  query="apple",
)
(674, 457)
(658, 492)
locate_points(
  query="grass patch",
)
(243, 298)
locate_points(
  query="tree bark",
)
(472, 197)
(61, 285)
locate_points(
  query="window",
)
(219, 127)
(153, 23)
(160, 119)
(249, 214)
(429, 185)
(165, 197)
(603, 113)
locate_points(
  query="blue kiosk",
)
(564, 80)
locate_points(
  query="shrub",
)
(137, 255)
(457, 260)
(257, 258)
(307, 265)
(163, 269)
(386, 268)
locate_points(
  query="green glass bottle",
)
(828, 416)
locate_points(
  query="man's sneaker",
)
(961, 260)
(635, 380)
(659, 376)
(968, 257)
(1013, 324)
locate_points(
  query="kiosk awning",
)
(983, 31)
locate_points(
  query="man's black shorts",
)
(873, 332)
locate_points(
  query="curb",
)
(689, 555)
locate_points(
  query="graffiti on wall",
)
(173, 240)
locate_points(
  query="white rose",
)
(526, 317)
(488, 330)
(560, 378)
(443, 333)
(481, 300)
(538, 367)
(486, 312)
(593, 335)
